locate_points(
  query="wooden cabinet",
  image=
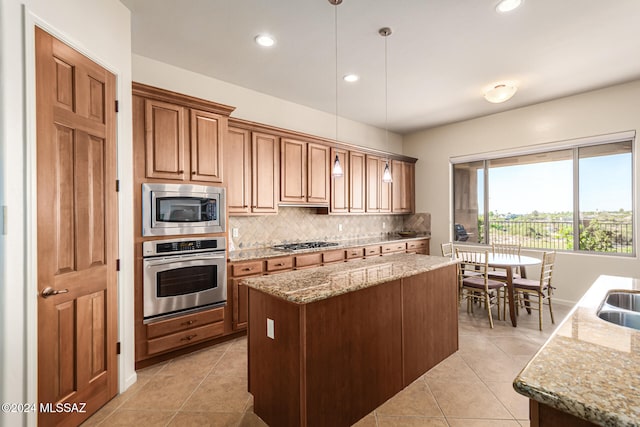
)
(378, 192)
(340, 184)
(252, 171)
(332, 257)
(418, 247)
(393, 248)
(182, 144)
(238, 271)
(304, 172)
(372, 251)
(357, 182)
(313, 259)
(170, 334)
(354, 253)
(402, 186)
(279, 265)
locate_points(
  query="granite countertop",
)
(315, 284)
(269, 252)
(589, 367)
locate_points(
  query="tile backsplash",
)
(295, 224)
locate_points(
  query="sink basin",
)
(622, 318)
(624, 300)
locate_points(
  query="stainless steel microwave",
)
(169, 209)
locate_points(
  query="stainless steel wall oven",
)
(183, 274)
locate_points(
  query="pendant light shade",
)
(386, 175)
(337, 169)
(386, 32)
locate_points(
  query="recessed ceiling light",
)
(500, 92)
(265, 40)
(508, 5)
(351, 78)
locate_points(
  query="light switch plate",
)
(270, 328)
(234, 232)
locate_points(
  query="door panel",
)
(206, 146)
(77, 229)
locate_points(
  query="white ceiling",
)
(441, 56)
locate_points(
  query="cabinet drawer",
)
(355, 253)
(309, 260)
(394, 247)
(276, 264)
(246, 268)
(372, 250)
(169, 326)
(333, 256)
(416, 244)
(180, 339)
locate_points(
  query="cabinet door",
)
(399, 190)
(238, 170)
(385, 188)
(374, 179)
(164, 140)
(293, 171)
(340, 184)
(357, 183)
(410, 186)
(265, 177)
(317, 173)
(206, 145)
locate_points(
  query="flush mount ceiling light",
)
(351, 78)
(508, 5)
(265, 40)
(500, 93)
(337, 167)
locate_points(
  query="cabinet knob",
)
(193, 173)
(247, 269)
(181, 171)
(188, 337)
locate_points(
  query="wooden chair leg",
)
(488, 304)
(540, 310)
(551, 311)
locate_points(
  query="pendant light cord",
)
(336, 65)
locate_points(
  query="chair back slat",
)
(546, 270)
(498, 248)
(447, 249)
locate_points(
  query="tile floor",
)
(471, 388)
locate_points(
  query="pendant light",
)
(337, 168)
(386, 32)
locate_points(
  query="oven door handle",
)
(173, 260)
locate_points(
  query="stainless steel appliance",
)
(303, 245)
(169, 209)
(183, 274)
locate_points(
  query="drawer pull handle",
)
(280, 264)
(189, 322)
(247, 269)
(188, 337)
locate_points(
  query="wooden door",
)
(207, 130)
(385, 188)
(357, 182)
(340, 184)
(77, 231)
(265, 180)
(293, 171)
(373, 180)
(164, 129)
(238, 170)
(317, 173)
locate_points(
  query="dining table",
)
(509, 262)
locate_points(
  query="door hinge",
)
(118, 347)
(118, 264)
(117, 106)
(117, 185)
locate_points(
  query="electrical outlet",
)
(339, 227)
(384, 225)
(270, 328)
(234, 232)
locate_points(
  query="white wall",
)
(101, 30)
(261, 108)
(609, 110)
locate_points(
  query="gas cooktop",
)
(303, 245)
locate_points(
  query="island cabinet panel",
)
(356, 367)
(429, 320)
(545, 416)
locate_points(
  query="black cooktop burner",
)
(304, 245)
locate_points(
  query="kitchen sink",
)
(622, 318)
(625, 300)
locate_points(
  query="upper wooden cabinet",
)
(378, 192)
(183, 136)
(340, 184)
(357, 182)
(304, 172)
(251, 164)
(402, 186)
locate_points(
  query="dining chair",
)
(475, 283)
(541, 287)
(447, 249)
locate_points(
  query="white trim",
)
(548, 146)
(126, 377)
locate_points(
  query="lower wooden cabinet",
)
(239, 300)
(393, 248)
(418, 247)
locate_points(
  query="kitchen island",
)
(328, 345)
(588, 372)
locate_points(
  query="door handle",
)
(49, 291)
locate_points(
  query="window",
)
(573, 198)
